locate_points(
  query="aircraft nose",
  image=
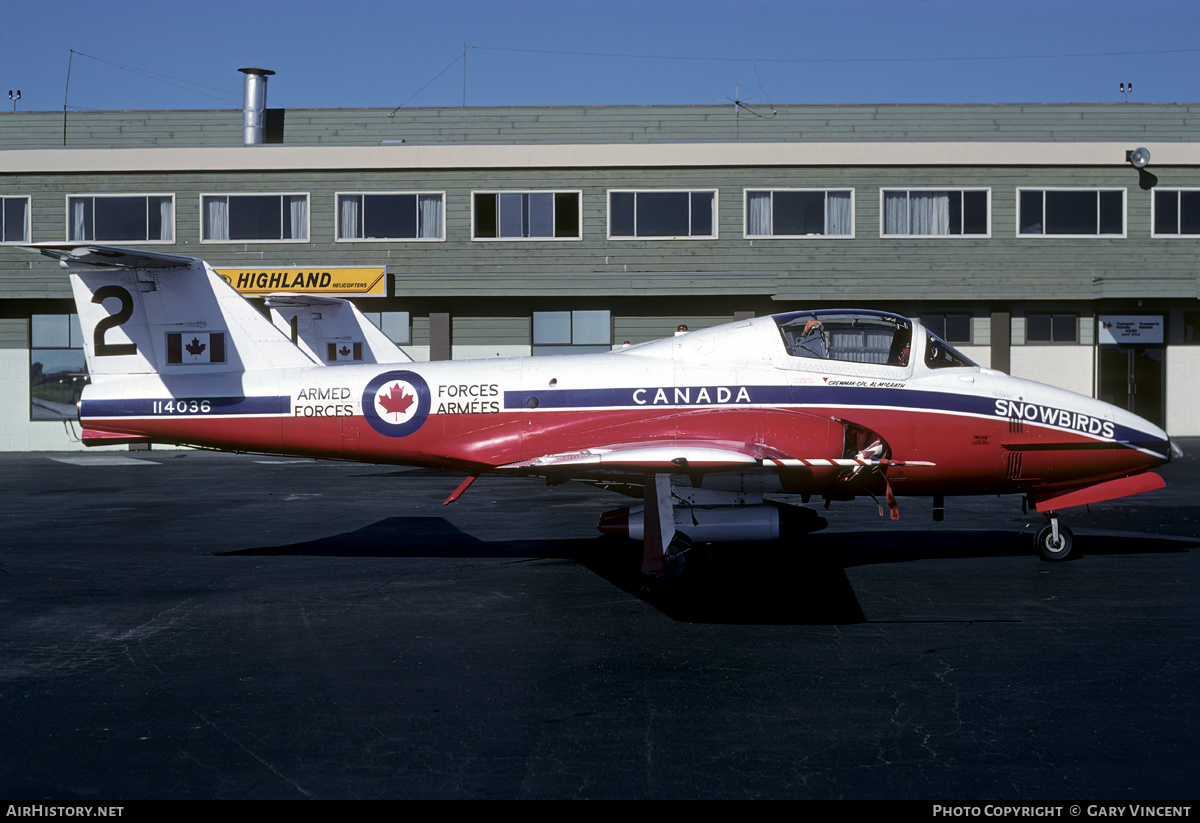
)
(1155, 443)
(1148, 439)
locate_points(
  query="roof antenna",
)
(739, 106)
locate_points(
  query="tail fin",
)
(145, 312)
(331, 330)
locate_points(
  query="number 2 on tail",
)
(112, 321)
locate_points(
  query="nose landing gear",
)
(1054, 541)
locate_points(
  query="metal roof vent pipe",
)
(254, 106)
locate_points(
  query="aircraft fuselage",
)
(983, 431)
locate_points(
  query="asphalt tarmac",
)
(194, 625)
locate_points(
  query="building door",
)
(1132, 377)
(1131, 364)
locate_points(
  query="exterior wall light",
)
(1139, 157)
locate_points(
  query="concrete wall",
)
(1183, 390)
(1068, 367)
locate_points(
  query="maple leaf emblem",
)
(395, 400)
(195, 347)
(343, 351)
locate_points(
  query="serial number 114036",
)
(181, 407)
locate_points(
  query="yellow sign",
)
(369, 282)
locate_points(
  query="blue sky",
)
(132, 54)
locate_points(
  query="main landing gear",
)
(1054, 541)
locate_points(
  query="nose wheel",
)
(1054, 541)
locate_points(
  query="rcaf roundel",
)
(396, 403)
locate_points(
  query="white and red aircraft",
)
(827, 403)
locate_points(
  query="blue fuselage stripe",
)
(156, 407)
(847, 397)
(748, 395)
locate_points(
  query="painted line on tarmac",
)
(104, 460)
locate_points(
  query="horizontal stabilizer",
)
(284, 300)
(71, 255)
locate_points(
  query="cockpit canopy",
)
(861, 337)
(941, 355)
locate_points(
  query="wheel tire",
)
(1048, 549)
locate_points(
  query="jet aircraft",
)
(701, 426)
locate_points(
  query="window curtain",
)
(895, 212)
(849, 347)
(929, 212)
(857, 347)
(79, 219)
(166, 219)
(838, 219)
(297, 217)
(349, 218)
(916, 212)
(429, 216)
(758, 213)
(216, 218)
(22, 222)
(879, 343)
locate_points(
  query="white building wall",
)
(477, 352)
(1068, 367)
(17, 432)
(1183, 390)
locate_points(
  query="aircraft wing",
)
(678, 456)
(682, 456)
(655, 462)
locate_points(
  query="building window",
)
(800, 213)
(121, 219)
(1176, 212)
(395, 324)
(14, 219)
(417, 216)
(1191, 328)
(662, 214)
(57, 367)
(1051, 328)
(526, 215)
(571, 332)
(258, 217)
(953, 328)
(1071, 212)
(935, 213)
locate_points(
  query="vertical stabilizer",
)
(332, 330)
(143, 312)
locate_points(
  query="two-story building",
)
(1025, 234)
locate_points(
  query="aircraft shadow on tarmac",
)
(749, 583)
